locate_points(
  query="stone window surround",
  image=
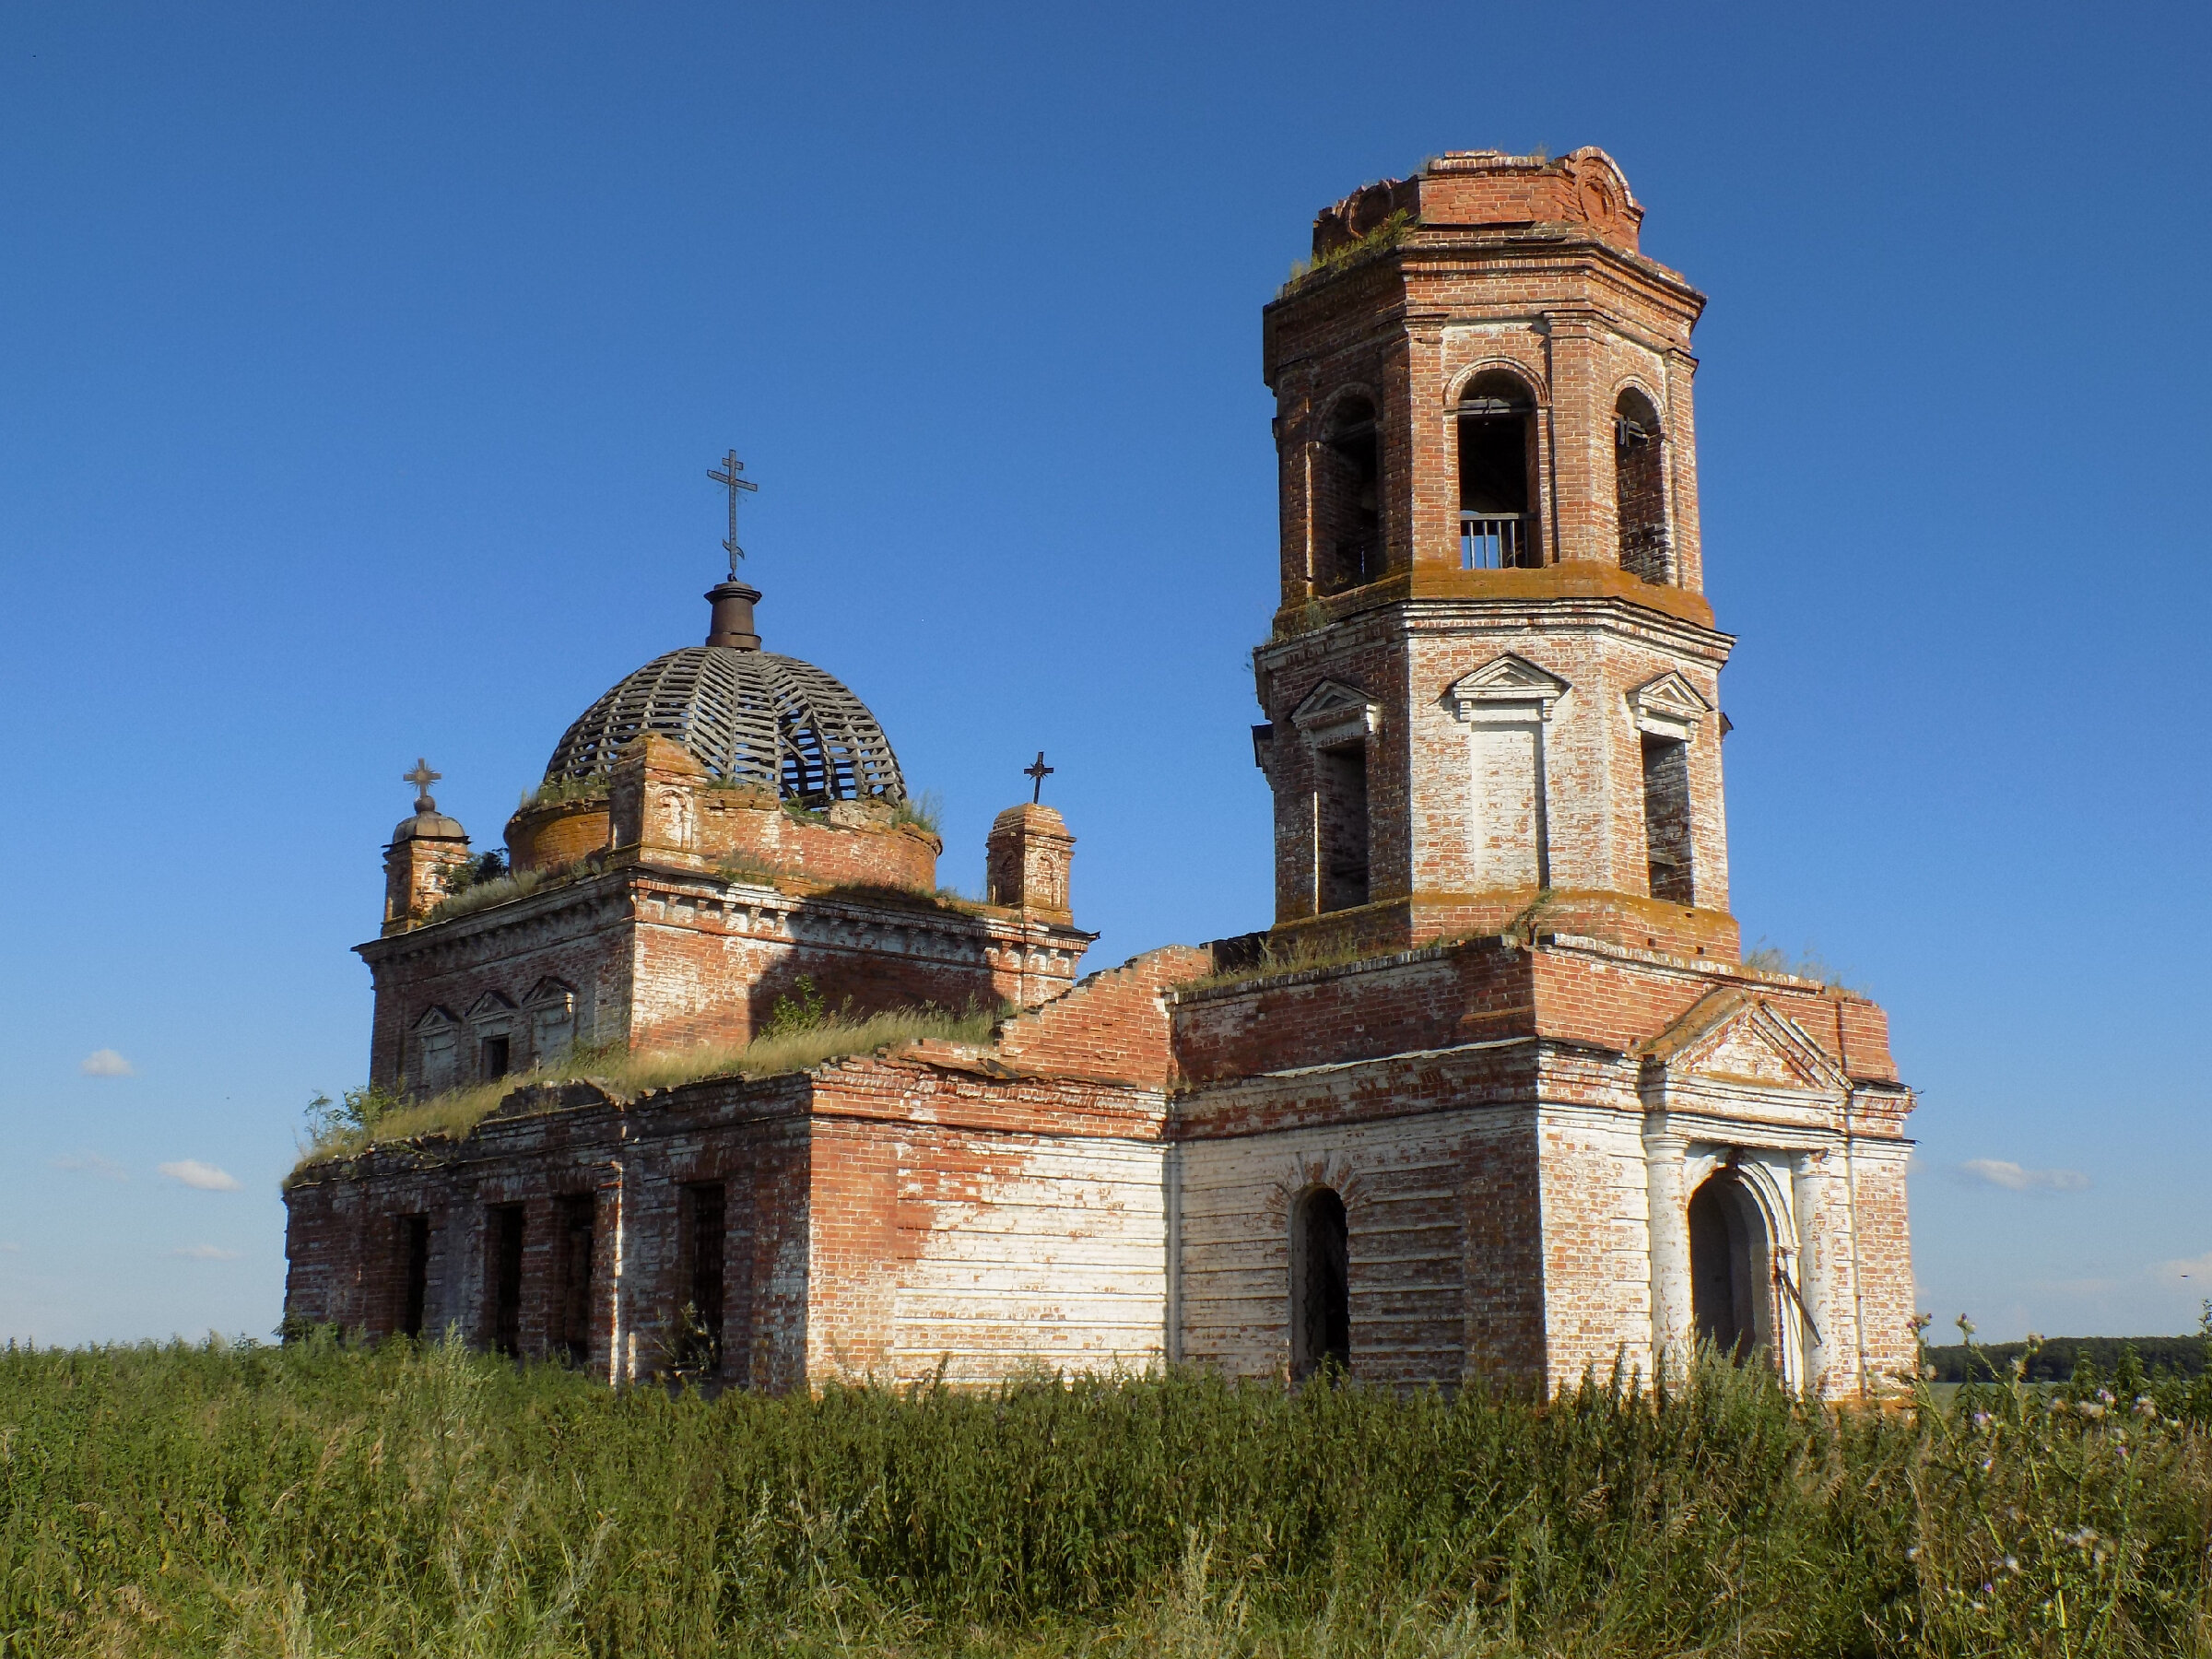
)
(1668, 707)
(1334, 714)
(1503, 692)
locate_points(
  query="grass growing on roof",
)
(1278, 958)
(786, 1044)
(925, 811)
(560, 792)
(482, 894)
(1382, 239)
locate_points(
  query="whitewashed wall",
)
(1054, 1257)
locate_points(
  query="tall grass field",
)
(316, 1499)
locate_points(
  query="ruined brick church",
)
(1495, 1096)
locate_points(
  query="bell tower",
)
(1493, 686)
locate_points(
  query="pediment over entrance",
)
(1735, 1037)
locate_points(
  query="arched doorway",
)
(1321, 1309)
(1730, 1304)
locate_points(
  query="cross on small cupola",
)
(731, 478)
(422, 777)
(1039, 772)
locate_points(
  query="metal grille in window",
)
(1490, 541)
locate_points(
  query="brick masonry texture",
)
(1502, 1014)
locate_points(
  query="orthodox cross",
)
(730, 478)
(422, 777)
(1040, 772)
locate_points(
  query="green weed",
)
(424, 1499)
(797, 1035)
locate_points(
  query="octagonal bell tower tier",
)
(1492, 689)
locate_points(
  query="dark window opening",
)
(1640, 489)
(1347, 509)
(504, 1268)
(1341, 810)
(496, 1050)
(572, 1304)
(1666, 819)
(1497, 474)
(415, 1269)
(1321, 1307)
(704, 1240)
(1727, 1256)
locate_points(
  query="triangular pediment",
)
(1335, 713)
(1673, 694)
(1735, 1037)
(1669, 705)
(548, 992)
(1508, 678)
(1506, 687)
(436, 1019)
(1331, 696)
(489, 1004)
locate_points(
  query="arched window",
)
(1729, 1268)
(1640, 487)
(1321, 1311)
(1496, 474)
(1347, 510)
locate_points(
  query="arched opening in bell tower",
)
(1729, 1268)
(1640, 489)
(1347, 505)
(1496, 474)
(1321, 1309)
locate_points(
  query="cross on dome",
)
(1040, 772)
(730, 477)
(422, 777)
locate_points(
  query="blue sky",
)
(360, 369)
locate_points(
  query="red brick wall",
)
(545, 837)
(1113, 1025)
(667, 959)
(342, 1236)
(1488, 989)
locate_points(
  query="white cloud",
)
(2004, 1172)
(91, 1163)
(106, 1063)
(191, 1172)
(204, 1252)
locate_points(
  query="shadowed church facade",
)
(1495, 1095)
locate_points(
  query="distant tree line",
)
(2059, 1359)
